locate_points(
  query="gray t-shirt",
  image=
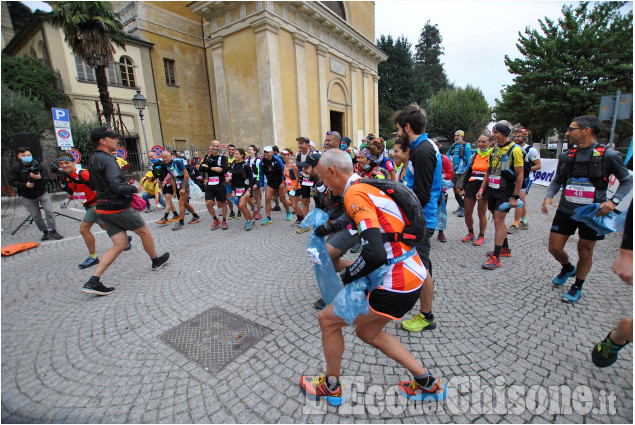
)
(612, 161)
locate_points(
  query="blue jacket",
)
(460, 164)
(424, 175)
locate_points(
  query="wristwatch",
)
(615, 200)
(516, 197)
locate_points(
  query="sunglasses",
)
(574, 128)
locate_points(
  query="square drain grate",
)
(214, 338)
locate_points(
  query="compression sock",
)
(175, 215)
(497, 251)
(181, 222)
(424, 380)
(93, 256)
(579, 283)
(166, 215)
(505, 244)
(333, 383)
(568, 267)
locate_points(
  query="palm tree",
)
(90, 29)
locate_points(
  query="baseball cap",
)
(311, 143)
(267, 149)
(311, 160)
(100, 132)
(286, 152)
(303, 139)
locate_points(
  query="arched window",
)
(337, 7)
(127, 71)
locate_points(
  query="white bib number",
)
(213, 181)
(79, 195)
(494, 182)
(306, 182)
(240, 192)
(579, 192)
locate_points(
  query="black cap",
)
(303, 139)
(311, 159)
(100, 132)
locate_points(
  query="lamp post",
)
(140, 103)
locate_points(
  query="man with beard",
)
(215, 165)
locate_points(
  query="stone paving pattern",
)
(68, 357)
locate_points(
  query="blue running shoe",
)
(266, 221)
(562, 277)
(248, 225)
(88, 262)
(573, 295)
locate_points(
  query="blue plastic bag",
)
(351, 301)
(327, 279)
(612, 222)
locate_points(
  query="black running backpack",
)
(410, 207)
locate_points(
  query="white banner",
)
(546, 173)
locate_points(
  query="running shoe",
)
(512, 229)
(173, 219)
(523, 226)
(162, 221)
(319, 304)
(298, 221)
(479, 241)
(414, 391)
(316, 388)
(468, 238)
(266, 221)
(88, 262)
(461, 213)
(257, 216)
(194, 220)
(492, 263)
(302, 230)
(54, 235)
(239, 215)
(129, 246)
(573, 295)
(289, 216)
(224, 225)
(248, 225)
(276, 208)
(178, 226)
(419, 323)
(604, 354)
(95, 287)
(505, 252)
(442, 238)
(562, 277)
(216, 224)
(160, 261)
(458, 210)
(231, 216)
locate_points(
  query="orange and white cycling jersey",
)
(370, 207)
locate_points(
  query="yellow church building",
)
(260, 72)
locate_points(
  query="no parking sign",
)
(157, 149)
(76, 155)
(122, 153)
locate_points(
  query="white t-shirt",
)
(531, 153)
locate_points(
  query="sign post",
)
(62, 124)
(615, 107)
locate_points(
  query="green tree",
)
(568, 65)
(90, 29)
(81, 135)
(386, 126)
(428, 69)
(396, 74)
(31, 78)
(457, 109)
(22, 114)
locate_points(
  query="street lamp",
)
(140, 103)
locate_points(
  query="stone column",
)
(269, 83)
(365, 76)
(323, 91)
(220, 85)
(300, 70)
(376, 108)
(354, 128)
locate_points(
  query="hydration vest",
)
(594, 169)
(409, 206)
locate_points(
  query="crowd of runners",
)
(385, 208)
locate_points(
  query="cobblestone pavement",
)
(75, 358)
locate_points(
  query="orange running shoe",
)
(316, 388)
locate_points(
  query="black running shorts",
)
(393, 304)
(215, 192)
(563, 224)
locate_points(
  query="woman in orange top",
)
(291, 181)
(471, 185)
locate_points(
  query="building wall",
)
(289, 90)
(362, 18)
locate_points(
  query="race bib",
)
(579, 191)
(351, 229)
(228, 176)
(79, 195)
(289, 184)
(494, 182)
(477, 175)
(306, 182)
(240, 192)
(213, 181)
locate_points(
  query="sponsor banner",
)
(544, 176)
